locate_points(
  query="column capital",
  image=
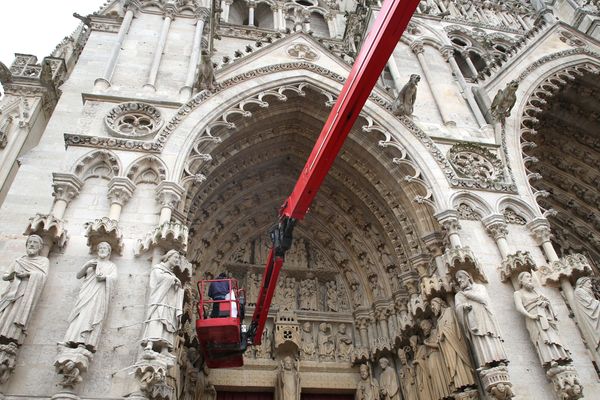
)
(66, 186)
(169, 194)
(417, 47)
(447, 52)
(434, 242)
(120, 190)
(540, 230)
(133, 5)
(202, 14)
(496, 226)
(449, 220)
(420, 262)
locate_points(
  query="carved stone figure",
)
(438, 370)
(8, 357)
(368, 388)
(288, 380)
(388, 382)
(587, 310)
(408, 382)
(70, 364)
(453, 346)
(308, 347)
(504, 101)
(289, 296)
(376, 287)
(253, 288)
(165, 304)
(404, 103)
(309, 294)
(26, 277)
(265, 349)
(5, 74)
(421, 368)
(91, 307)
(333, 297)
(326, 344)
(206, 74)
(475, 315)
(541, 322)
(343, 343)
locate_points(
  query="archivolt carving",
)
(97, 164)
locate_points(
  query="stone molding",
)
(170, 235)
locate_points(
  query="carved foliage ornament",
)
(133, 120)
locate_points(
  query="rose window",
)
(134, 120)
(474, 166)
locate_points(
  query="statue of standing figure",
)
(475, 315)
(408, 382)
(453, 346)
(26, 277)
(541, 322)
(91, 307)
(288, 380)
(438, 371)
(587, 311)
(165, 304)
(388, 383)
(368, 388)
(405, 102)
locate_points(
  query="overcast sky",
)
(37, 26)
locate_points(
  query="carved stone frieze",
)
(104, 230)
(152, 373)
(511, 217)
(572, 267)
(516, 263)
(463, 258)
(48, 227)
(170, 235)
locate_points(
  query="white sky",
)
(37, 26)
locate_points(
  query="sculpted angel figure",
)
(26, 277)
(91, 307)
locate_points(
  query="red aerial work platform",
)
(385, 33)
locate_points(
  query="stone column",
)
(467, 56)
(120, 190)
(449, 220)
(448, 53)
(186, 90)
(331, 24)
(276, 22)
(225, 6)
(104, 81)
(419, 50)
(66, 188)
(498, 230)
(168, 195)
(160, 48)
(251, 7)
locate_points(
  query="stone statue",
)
(253, 288)
(165, 302)
(408, 382)
(404, 103)
(326, 344)
(206, 73)
(343, 343)
(541, 322)
(266, 345)
(587, 310)
(308, 346)
(288, 380)
(333, 299)
(475, 315)
(452, 345)
(309, 294)
(438, 370)
(368, 388)
(91, 307)
(388, 382)
(421, 368)
(5, 74)
(504, 102)
(26, 277)
(289, 296)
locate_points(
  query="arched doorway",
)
(561, 142)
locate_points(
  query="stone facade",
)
(453, 251)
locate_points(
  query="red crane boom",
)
(391, 22)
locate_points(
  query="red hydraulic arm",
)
(375, 52)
